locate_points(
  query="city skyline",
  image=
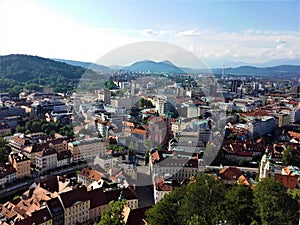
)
(247, 31)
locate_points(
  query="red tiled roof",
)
(37, 217)
(230, 173)
(287, 180)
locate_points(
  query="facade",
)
(21, 163)
(4, 128)
(56, 210)
(7, 174)
(87, 149)
(46, 159)
(177, 169)
(76, 206)
(87, 176)
(159, 130)
(262, 126)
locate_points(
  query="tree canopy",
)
(291, 156)
(113, 215)
(207, 200)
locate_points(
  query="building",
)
(230, 175)
(105, 96)
(159, 130)
(4, 128)
(87, 149)
(267, 168)
(7, 174)
(234, 86)
(88, 175)
(177, 169)
(294, 115)
(56, 210)
(46, 159)
(76, 204)
(262, 126)
(21, 163)
(41, 217)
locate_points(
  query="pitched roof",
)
(55, 206)
(287, 180)
(37, 217)
(97, 198)
(71, 197)
(91, 174)
(128, 193)
(230, 173)
(137, 216)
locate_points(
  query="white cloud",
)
(28, 27)
(189, 33)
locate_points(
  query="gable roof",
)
(230, 173)
(71, 197)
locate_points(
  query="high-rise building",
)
(234, 86)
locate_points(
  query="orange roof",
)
(287, 180)
(294, 134)
(139, 131)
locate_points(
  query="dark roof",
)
(55, 206)
(136, 216)
(37, 217)
(50, 184)
(71, 197)
(97, 198)
(128, 194)
(171, 162)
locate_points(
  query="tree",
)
(113, 215)
(291, 156)
(4, 150)
(273, 204)
(203, 198)
(239, 208)
(165, 212)
(200, 202)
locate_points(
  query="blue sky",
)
(250, 31)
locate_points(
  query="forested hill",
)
(33, 73)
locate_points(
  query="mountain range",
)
(23, 68)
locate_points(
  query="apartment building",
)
(21, 163)
(87, 149)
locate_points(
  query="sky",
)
(86, 30)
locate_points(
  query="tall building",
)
(21, 163)
(234, 86)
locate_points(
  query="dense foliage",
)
(34, 73)
(208, 201)
(4, 150)
(33, 125)
(113, 214)
(291, 156)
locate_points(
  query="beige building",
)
(21, 163)
(76, 204)
(87, 149)
(178, 169)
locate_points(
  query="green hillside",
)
(34, 73)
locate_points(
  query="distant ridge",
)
(155, 67)
(88, 65)
(275, 71)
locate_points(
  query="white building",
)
(46, 159)
(262, 126)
